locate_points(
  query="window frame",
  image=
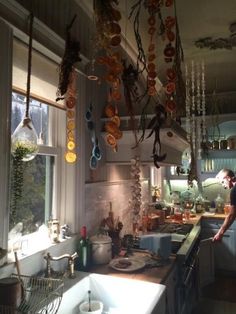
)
(71, 185)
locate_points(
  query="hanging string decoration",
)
(23, 142)
(24, 139)
(108, 39)
(96, 152)
(153, 7)
(70, 98)
(136, 196)
(70, 57)
(195, 113)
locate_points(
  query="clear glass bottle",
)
(84, 251)
(219, 201)
(199, 204)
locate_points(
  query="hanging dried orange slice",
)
(116, 95)
(152, 91)
(109, 110)
(110, 139)
(169, 51)
(71, 125)
(169, 22)
(170, 87)
(169, 3)
(170, 105)
(116, 83)
(171, 74)
(151, 82)
(117, 134)
(151, 57)
(70, 102)
(114, 28)
(70, 114)
(116, 14)
(152, 75)
(170, 35)
(70, 136)
(151, 20)
(116, 120)
(115, 40)
(151, 30)
(151, 47)
(151, 67)
(70, 157)
(111, 127)
(71, 145)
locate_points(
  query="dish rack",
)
(41, 295)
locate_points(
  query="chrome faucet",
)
(70, 258)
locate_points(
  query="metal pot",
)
(101, 249)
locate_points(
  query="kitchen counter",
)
(155, 274)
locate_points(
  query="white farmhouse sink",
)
(119, 295)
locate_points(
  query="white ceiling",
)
(197, 19)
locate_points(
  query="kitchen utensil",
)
(96, 307)
(89, 300)
(101, 249)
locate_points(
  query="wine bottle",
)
(84, 250)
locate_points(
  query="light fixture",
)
(24, 139)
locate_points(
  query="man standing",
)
(228, 180)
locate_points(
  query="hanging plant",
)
(17, 180)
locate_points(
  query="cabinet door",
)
(206, 262)
(170, 284)
(225, 250)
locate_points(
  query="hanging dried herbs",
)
(179, 58)
(130, 78)
(71, 56)
(155, 125)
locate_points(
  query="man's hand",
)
(218, 236)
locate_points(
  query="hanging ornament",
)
(24, 139)
(71, 96)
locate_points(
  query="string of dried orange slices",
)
(71, 97)
(169, 55)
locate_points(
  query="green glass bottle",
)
(84, 250)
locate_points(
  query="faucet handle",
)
(74, 255)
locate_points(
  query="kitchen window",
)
(65, 199)
(40, 190)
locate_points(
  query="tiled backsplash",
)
(98, 197)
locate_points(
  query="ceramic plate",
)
(127, 264)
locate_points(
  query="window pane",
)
(31, 186)
(34, 207)
(39, 114)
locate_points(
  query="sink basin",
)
(118, 295)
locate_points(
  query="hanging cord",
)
(31, 17)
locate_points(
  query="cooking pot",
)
(101, 249)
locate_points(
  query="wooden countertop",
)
(155, 274)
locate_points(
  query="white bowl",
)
(96, 307)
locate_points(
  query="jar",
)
(101, 249)
(223, 144)
(219, 204)
(54, 230)
(215, 144)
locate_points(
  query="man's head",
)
(226, 177)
